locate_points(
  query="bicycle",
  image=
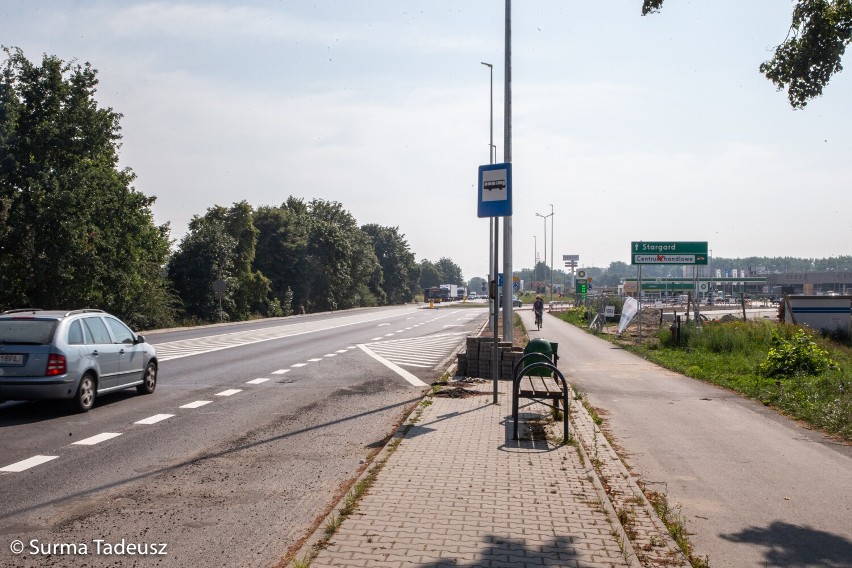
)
(538, 321)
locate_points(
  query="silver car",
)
(77, 355)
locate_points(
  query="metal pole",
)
(495, 361)
(552, 246)
(508, 320)
(494, 235)
(491, 220)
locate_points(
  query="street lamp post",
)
(493, 236)
(544, 217)
(492, 260)
(552, 246)
(535, 258)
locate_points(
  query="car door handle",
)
(121, 352)
(95, 352)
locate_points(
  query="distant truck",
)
(452, 291)
(436, 295)
(461, 293)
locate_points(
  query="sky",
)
(627, 128)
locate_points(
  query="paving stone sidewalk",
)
(458, 491)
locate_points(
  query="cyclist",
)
(538, 309)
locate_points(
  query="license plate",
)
(13, 359)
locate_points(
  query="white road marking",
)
(382, 324)
(26, 464)
(256, 381)
(196, 404)
(351, 347)
(330, 355)
(314, 360)
(229, 392)
(280, 371)
(297, 365)
(377, 338)
(154, 419)
(422, 352)
(341, 351)
(97, 439)
(393, 367)
(197, 346)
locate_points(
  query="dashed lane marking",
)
(154, 419)
(26, 464)
(196, 404)
(229, 392)
(280, 371)
(197, 346)
(297, 365)
(97, 439)
(256, 381)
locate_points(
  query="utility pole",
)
(508, 319)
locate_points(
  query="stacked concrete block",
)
(477, 361)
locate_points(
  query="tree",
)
(282, 248)
(477, 284)
(451, 271)
(318, 251)
(803, 64)
(399, 270)
(74, 231)
(221, 245)
(430, 275)
(205, 254)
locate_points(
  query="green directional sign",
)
(668, 252)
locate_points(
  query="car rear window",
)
(19, 331)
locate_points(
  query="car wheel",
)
(85, 398)
(149, 379)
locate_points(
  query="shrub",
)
(798, 355)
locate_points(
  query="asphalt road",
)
(755, 488)
(252, 432)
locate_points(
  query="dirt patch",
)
(459, 392)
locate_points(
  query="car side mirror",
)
(140, 339)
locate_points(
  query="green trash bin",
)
(548, 352)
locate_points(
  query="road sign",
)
(669, 252)
(581, 287)
(219, 287)
(495, 191)
(571, 257)
(581, 274)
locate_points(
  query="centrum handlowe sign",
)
(668, 252)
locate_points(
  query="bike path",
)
(755, 488)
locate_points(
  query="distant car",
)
(472, 296)
(516, 302)
(76, 355)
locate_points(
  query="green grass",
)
(731, 354)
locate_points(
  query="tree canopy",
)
(74, 231)
(811, 54)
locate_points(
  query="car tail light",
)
(55, 365)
